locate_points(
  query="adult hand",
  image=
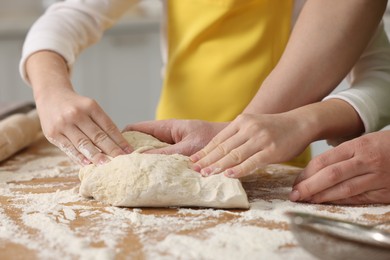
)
(355, 172)
(186, 136)
(76, 124)
(251, 142)
(79, 127)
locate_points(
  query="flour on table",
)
(157, 180)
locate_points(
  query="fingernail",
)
(194, 158)
(196, 167)
(128, 150)
(85, 162)
(103, 161)
(229, 173)
(294, 195)
(206, 171)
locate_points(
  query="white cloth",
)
(370, 77)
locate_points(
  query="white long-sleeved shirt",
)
(369, 79)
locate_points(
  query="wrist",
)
(47, 72)
(306, 123)
(333, 118)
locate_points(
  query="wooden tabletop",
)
(42, 216)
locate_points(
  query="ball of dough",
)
(157, 180)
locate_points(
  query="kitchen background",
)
(126, 59)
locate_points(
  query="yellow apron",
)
(219, 53)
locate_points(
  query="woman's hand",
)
(251, 142)
(76, 124)
(186, 136)
(79, 127)
(355, 172)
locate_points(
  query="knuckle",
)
(90, 104)
(200, 154)
(272, 148)
(82, 143)
(347, 189)
(250, 166)
(305, 189)
(319, 162)
(358, 163)
(376, 159)
(99, 138)
(335, 174)
(215, 142)
(70, 114)
(111, 129)
(51, 134)
(243, 117)
(362, 142)
(248, 119)
(235, 156)
(254, 127)
(221, 149)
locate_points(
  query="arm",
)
(370, 85)
(74, 123)
(69, 27)
(328, 38)
(359, 164)
(252, 141)
(371, 81)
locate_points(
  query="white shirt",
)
(369, 91)
(369, 79)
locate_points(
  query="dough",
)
(17, 132)
(157, 180)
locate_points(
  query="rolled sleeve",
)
(369, 92)
(69, 27)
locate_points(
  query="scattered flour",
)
(46, 221)
(227, 241)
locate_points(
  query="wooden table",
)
(43, 217)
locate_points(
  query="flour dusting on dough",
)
(157, 180)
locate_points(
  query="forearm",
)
(68, 27)
(330, 119)
(47, 71)
(327, 40)
(369, 93)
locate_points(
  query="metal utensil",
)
(330, 238)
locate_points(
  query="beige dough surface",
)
(17, 132)
(157, 180)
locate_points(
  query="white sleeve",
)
(369, 92)
(70, 26)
